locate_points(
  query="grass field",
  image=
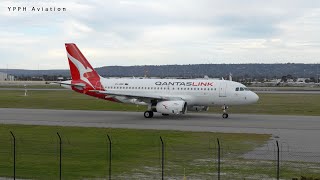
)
(33, 86)
(291, 104)
(136, 153)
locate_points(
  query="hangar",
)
(6, 77)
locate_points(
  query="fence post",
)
(60, 156)
(162, 158)
(219, 158)
(278, 161)
(14, 155)
(110, 155)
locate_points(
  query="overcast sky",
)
(139, 32)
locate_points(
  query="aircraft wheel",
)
(225, 115)
(148, 114)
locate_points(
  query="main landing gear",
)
(148, 114)
(225, 114)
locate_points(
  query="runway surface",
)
(294, 131)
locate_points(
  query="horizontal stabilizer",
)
(68, 83)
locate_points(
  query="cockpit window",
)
(241, 89)
(246, 89)
(237, 89)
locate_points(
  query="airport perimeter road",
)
(296, 131)
(287, 92)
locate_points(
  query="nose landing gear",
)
(225, 114)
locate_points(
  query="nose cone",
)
(254, 98)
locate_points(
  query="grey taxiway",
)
(297, 132)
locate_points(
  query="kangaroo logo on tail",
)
(80, 68)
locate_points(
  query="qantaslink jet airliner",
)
(165, 96)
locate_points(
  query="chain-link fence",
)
(62, 157)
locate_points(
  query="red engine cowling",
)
(171, 107)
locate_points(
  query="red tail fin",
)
(80, 68)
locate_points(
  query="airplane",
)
(165, 96)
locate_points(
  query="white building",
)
(301, 80)
(6, 77)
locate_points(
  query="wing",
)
(138, 95)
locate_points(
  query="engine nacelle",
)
(198, 108)
(171, 107)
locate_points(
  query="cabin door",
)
(223, 89)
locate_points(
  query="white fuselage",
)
(196, 92)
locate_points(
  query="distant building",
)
(302, 80)
(6, 77)
(60, 78)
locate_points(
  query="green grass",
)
(59, 100)
(289, 104)
(31, 86)
(136, 153)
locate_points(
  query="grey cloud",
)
(248, 27)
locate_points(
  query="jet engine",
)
(171, 107)
(198, 108)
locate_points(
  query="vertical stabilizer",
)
(80, 69)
